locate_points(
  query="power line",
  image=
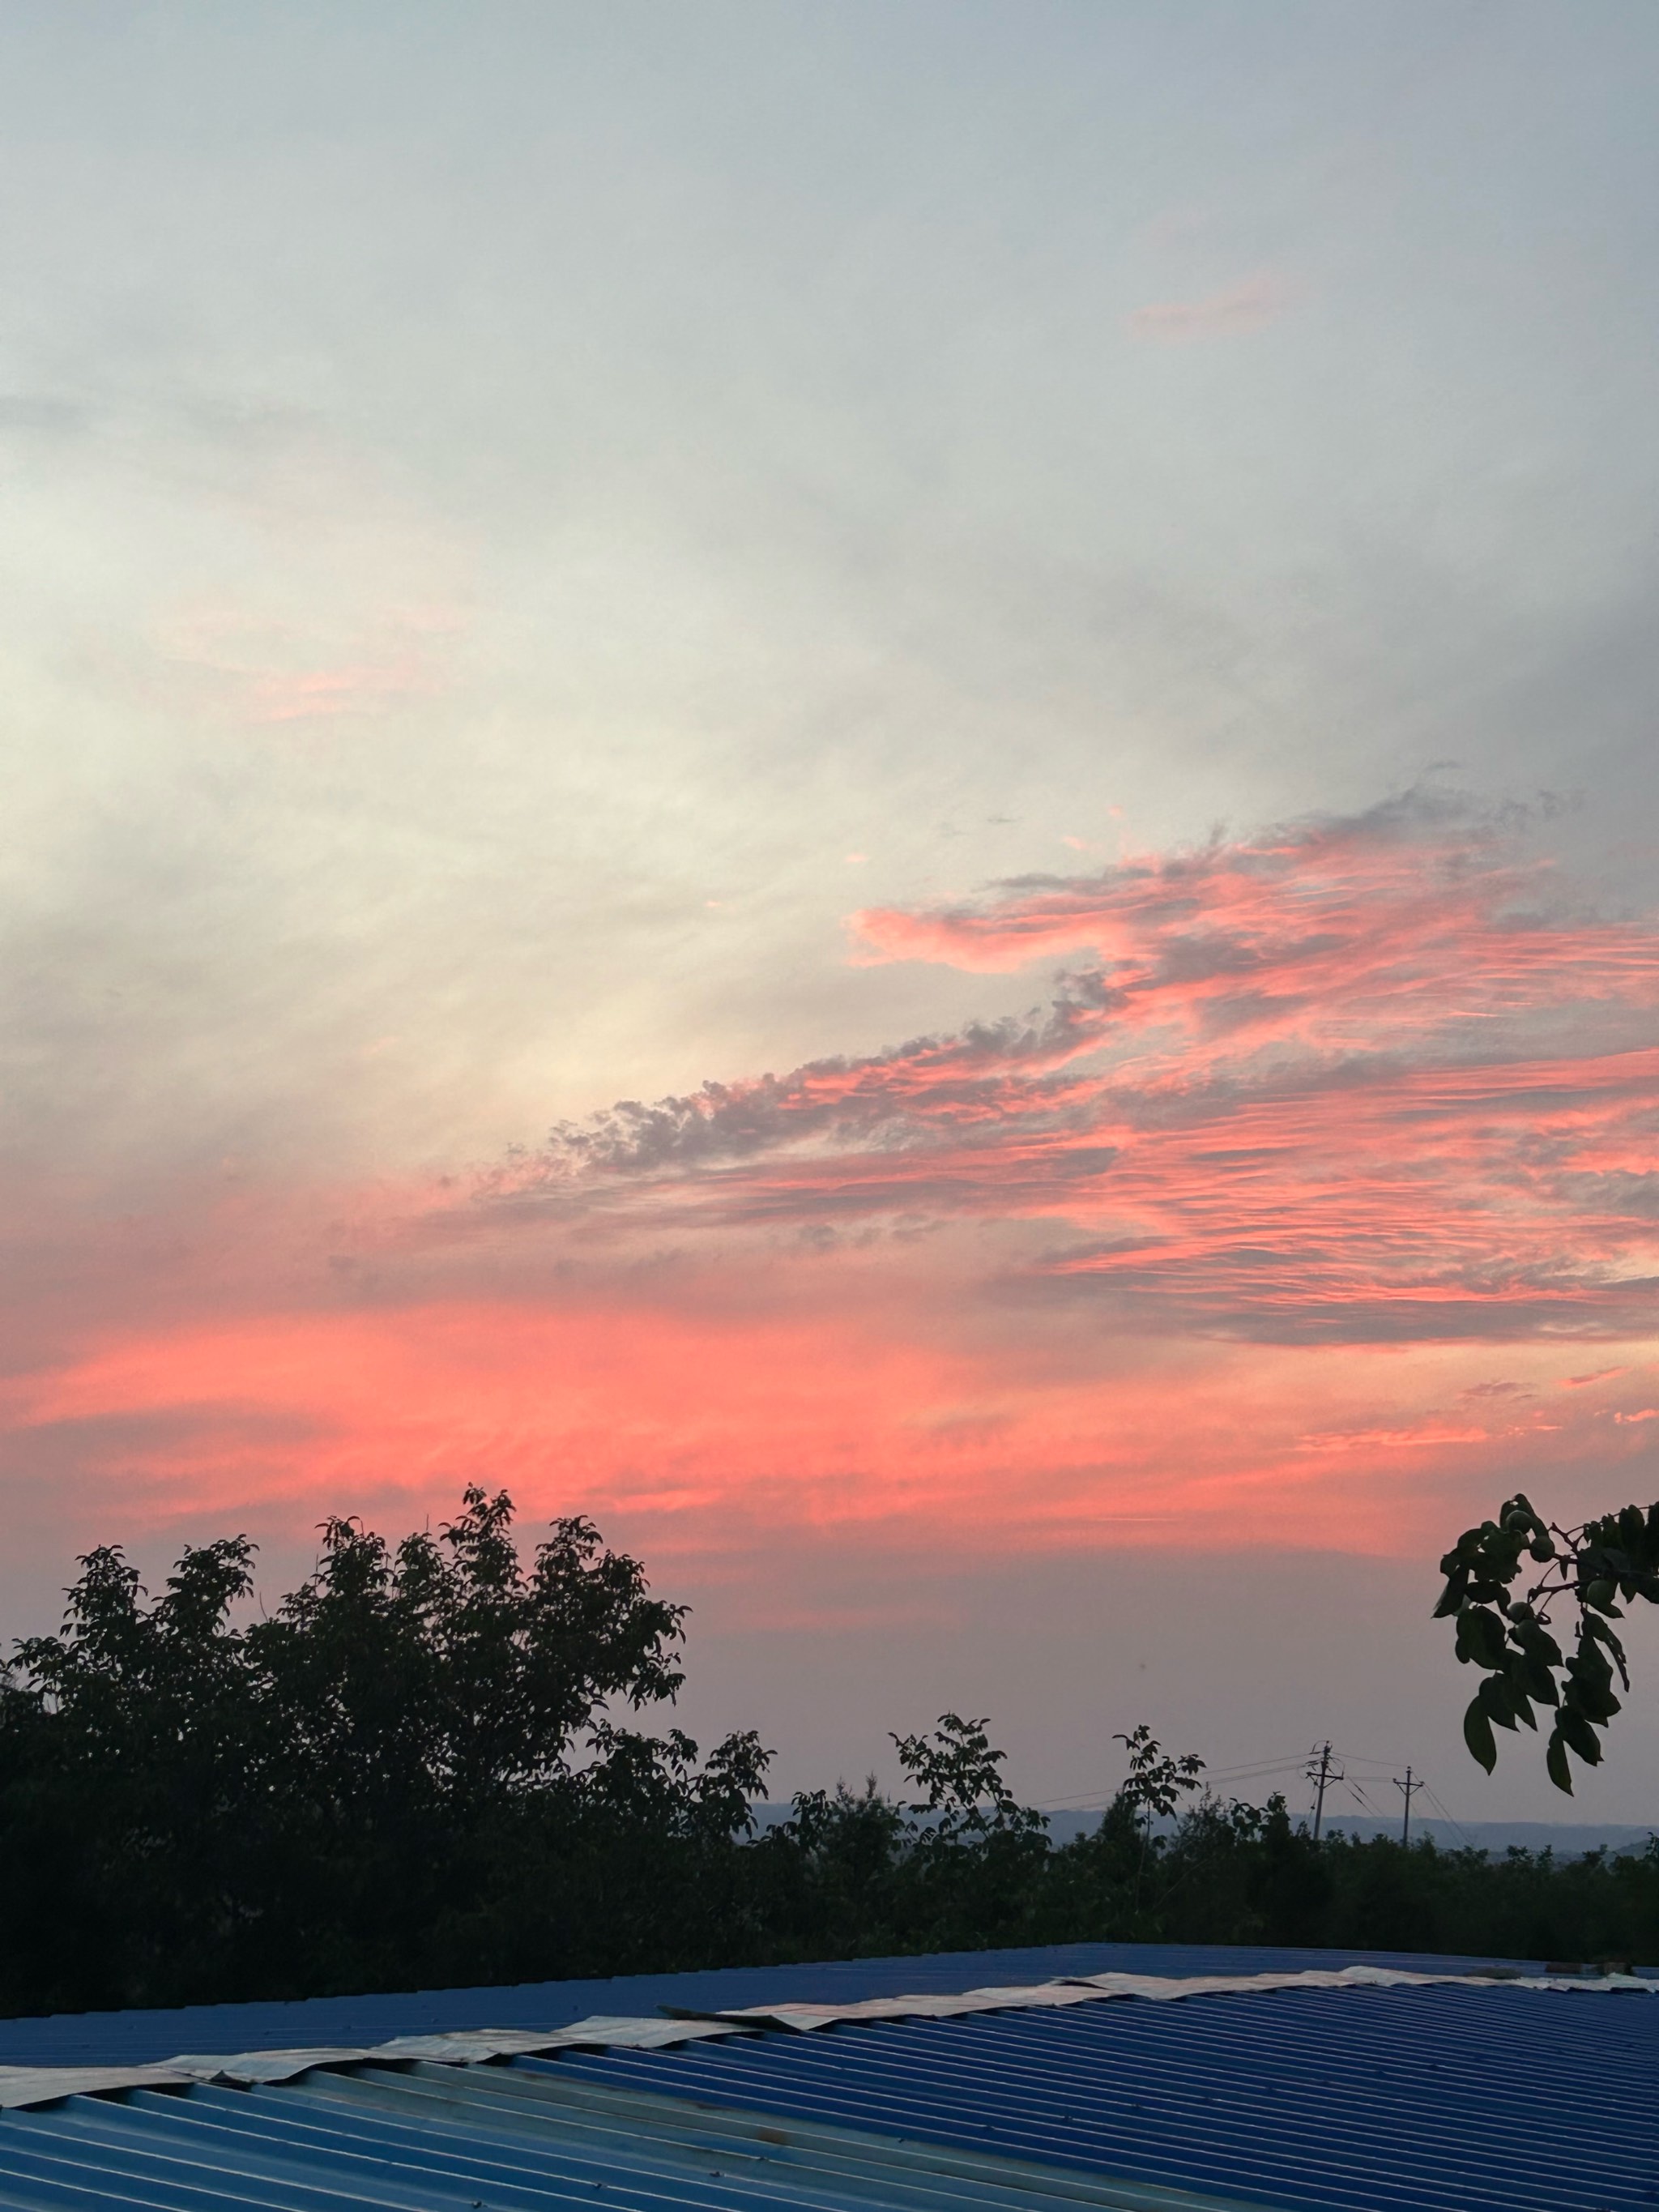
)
(1251, 1773)
(1321, 1776)
(1339, 1766)
(1462, 1834)
(1410, 1788)
(1082, 1801)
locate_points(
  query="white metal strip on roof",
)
(1085, 1989)
(21, 2086)
(24, 2086)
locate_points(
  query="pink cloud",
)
(1210, 1240)
(356, 688)
(268, 672)
(1419, 1434)
(1249, 305)
(1363, 1082)
(709, 1424)
(848, 1398)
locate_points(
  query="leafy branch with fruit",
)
(1505, 1631)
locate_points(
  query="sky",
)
(870, 785)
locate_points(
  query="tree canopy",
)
(196, 1796)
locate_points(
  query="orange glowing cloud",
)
(715, 1429)
(1373, 1081)
(1219, 1238)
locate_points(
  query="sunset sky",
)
(871, 783)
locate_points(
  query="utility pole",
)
(1410, 1788)
(1321, 1774)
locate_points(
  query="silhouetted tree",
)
(365, 1782)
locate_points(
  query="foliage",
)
(424, 1766)
(1157, 1782)
(413, 1766)
(1505, 1633)
(967, 1798)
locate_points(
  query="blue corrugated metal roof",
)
(1438, 2099)
(116, 2039)
(440, 2137)
(1353, 2100)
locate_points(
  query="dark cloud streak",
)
(1380, 1080)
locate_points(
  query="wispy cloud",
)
(356, 688)
(1249, 305)
(266, 671)
(1374, 1080)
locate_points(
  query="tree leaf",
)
(1580, 1735)
(1481, 1636)
(1494, 1699)
(1477, 1733)
(1555, 1760)
(1452, 1597)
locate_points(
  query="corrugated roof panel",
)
(1361, 2100)
(442, 2137)
(114, 2039)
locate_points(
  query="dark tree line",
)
(430, 1765)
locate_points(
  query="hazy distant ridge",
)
(1565, 1838)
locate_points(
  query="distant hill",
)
(1567, 1839)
